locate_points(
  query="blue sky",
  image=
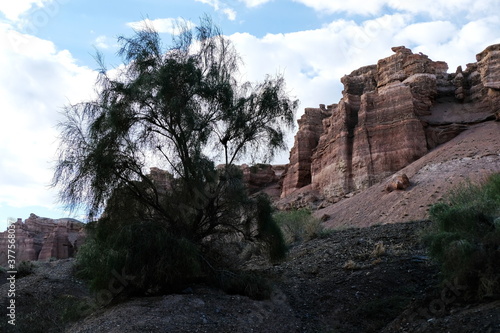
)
(47, 48)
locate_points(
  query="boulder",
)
(399, 182)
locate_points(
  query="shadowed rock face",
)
(39, 238)
(390, 115)
(298, 173)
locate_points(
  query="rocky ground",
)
(375, 279)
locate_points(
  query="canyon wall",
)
(390, 115)
(39, 238)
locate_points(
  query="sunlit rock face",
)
(390, 115)
(39, 238)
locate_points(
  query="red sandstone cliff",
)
(39, 238)
(390, 115)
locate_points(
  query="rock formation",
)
(39, 238)
(390, 115)
(298, 173)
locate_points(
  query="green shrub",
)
(25, 268)
(298, 225)
(465, 237)
(150, 256)
(158, 256)
(269, 230)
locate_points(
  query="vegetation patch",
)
(299, 225)
(25, 268)
(465, 238)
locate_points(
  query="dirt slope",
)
(473, 154)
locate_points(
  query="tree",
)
(180, 108)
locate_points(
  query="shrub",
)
(156, 258)
(25, 268)
(465, 237)
(298, 225)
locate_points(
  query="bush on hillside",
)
(154, 260)
(298, 225)
(465, 237)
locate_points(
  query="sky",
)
(47, 50)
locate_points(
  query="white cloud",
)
(166, 25)
(313, 61)
(36, 84)
(362, 7)
(255, 3)
(217, 5)
(102, 42)
(14, 9)
(427, 33)
(462, 46)
(458, 9)
(230, 13)
(436, 9)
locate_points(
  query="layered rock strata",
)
(390, 115)
(39, 238)
(298, 171)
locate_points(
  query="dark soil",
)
(375, 279)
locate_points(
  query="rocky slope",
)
(391, 114)
(472, 155)
(375, 279)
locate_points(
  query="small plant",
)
(379, 250)
(351, 265)
(25, 268)
(465, 237)
(299, 225)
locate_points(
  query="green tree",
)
(180, 108)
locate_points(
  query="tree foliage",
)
(180, 108)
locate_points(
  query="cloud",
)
(217, 5)
(36, 84)
(428, 33)
(14, 9)
(102, 42)
(254, 3)
(166, 25)
(435, 9)
(457, 9)
(313, 61)
(361, 7)
(230, 13)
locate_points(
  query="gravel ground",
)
(375, 279)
